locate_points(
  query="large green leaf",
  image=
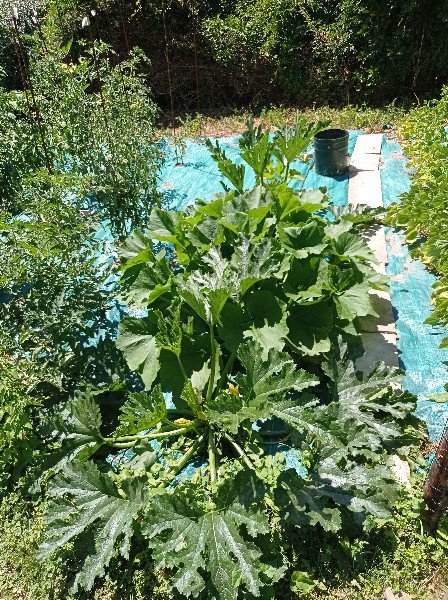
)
(354, 302)
(272, 377)
(352, 246)
(195, 360)
(310, 327)
(234, 322)
(137, 341)
(296, 207)
(152, 281)
(135, 251)
(260, 317)
(367, 490)
(302, 274)
(255, 262)
(244, 203)
(81, 420)
(207, 291)
(269, 336)
(79, 424)
(369, 400)
(85, 501)
(305, 504)
(190, 538)
(142, 410)
(258, 156)
(169, 334)
(205, 234)
(306, 240)
(164, 225)
(320, 498)
(295, 412)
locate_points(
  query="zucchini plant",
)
(252, 417)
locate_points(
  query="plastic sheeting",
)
(411, 283)
(199, 177)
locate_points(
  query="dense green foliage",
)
(395, 554)
(341, 51)
(52, 302)
(227, 428)
(423, 209)
(65, 148)
(87, 122)
(251, 309)
(288, 51)
(104, 139)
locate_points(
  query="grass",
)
(227, 123)
(21, 576)
(397, 555)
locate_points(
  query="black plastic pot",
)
(331, 152)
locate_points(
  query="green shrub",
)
(105, 137)
(53, 304)
(331, 52)
(20, 152)
(89, 119)
(65, 149)
(423, 209)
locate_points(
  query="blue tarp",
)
(411, 283)
(198, 176)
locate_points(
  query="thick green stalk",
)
(212, 455)
(240, 452)
(184, 460)
(212, 364)
(181, 412)
(128, 441)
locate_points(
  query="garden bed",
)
(424, 364)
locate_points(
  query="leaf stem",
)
(227, 368)
(132, 439)
(184, 374)
(212, 455)
(212, 364)
(287, 171)
(240, 452)
(184, 460)
(181, 412)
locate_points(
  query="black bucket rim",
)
(331, 134)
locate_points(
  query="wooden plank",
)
(364, 162)
(379, 334)
(379, 346)
(368, 144)
(375, 237)
(364, 187)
